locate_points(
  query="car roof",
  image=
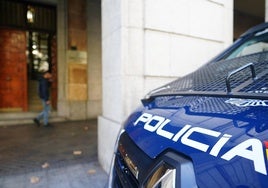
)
(255, 29)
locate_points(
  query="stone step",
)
(7, 119)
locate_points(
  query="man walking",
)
(43, 91)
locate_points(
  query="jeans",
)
(45, 113)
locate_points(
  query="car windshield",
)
(257, 43)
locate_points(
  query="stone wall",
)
(79, 59)
(147, 43)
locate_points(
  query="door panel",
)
(13, 70)
(54, 86)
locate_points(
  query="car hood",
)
(218, 134)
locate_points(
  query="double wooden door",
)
(13, 70)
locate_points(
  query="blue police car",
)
(208, 129)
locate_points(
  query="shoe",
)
(37, 122)
(48, 125)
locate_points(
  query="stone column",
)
(94, 107)
(61, 54)
(122, 69)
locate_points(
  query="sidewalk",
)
(61, 156)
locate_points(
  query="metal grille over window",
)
(26, 15)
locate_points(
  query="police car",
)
(208, 129)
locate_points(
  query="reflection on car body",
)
(207, 129)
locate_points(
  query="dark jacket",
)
(43, 89)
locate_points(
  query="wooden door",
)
(13, 70)
(54, 71)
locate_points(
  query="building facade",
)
(105, 55)
(148, 43)
(65, 34)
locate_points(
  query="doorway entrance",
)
(39, 58)
(27, 36)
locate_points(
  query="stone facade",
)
(79, 59)
(147, 43)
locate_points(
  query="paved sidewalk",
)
(61, 156)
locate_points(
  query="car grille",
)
(123, 175)
(130, 164)
(133, 168)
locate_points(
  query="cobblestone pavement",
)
(61, 156)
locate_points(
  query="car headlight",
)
(172, 171)
(162, 177)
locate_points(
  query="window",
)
(257, 43)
